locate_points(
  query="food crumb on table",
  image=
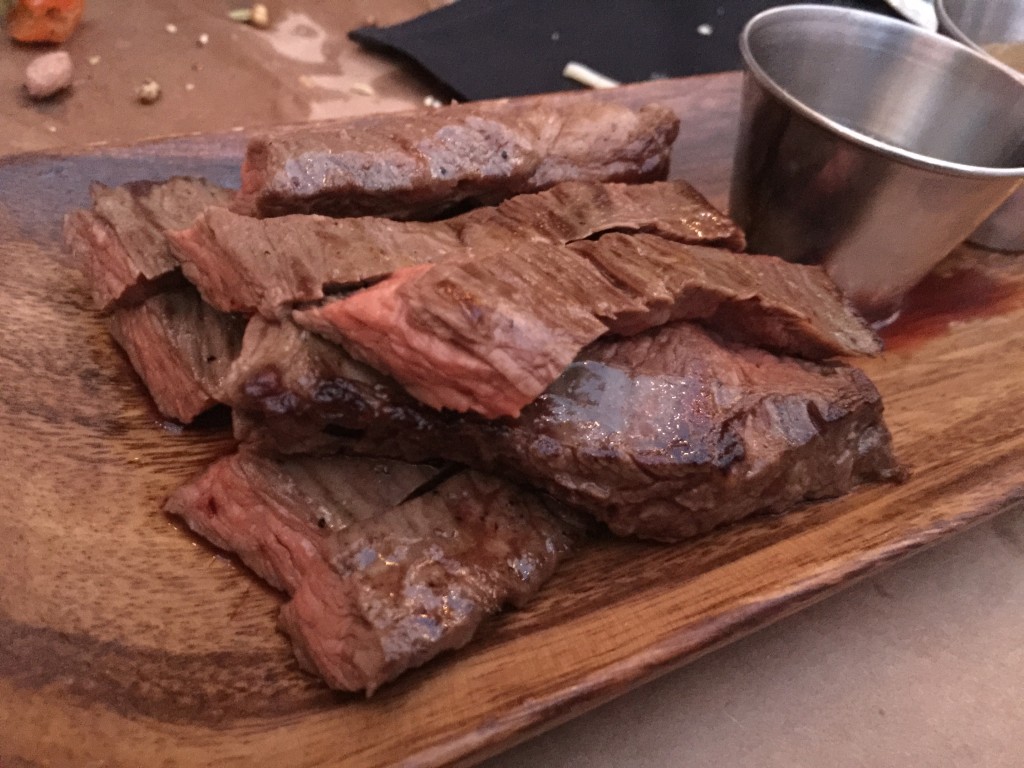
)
(257, 15)
(148, 92)
(48, 75)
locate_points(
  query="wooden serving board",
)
(125, 642)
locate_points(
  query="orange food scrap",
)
(44, 21)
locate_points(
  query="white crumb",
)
(148, 92)
(48, 75)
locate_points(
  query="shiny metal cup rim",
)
(865, 19)
(951, 28)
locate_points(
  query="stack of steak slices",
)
(664, 435)
(598, 347)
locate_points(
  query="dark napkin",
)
(484, 49)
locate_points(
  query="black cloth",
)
(484, 49)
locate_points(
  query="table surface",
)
(920, 666)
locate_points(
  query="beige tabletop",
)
(920, 666)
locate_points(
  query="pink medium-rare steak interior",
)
(522, 356)
(489, 332)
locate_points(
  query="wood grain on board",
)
(126, 642)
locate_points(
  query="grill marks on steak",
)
(662, 435)
(120, 243)
(377, 586)
(419, 164)
(180, 347)
(242, 264)
(488, 333)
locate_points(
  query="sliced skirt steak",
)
(120, 243)
(242, 264)
(490, 332)
(663, 435)
(378, 584)
(180, 347)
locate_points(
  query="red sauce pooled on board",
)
(939, 300)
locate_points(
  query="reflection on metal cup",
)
(870, 146)
(996, 29)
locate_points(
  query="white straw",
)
(583, 74)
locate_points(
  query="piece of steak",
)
(120, 243)
(663, 435)
(418, 164)
(489, 332)
(281, 373)
(378, 585)
(583, 210)
(243, 264)
(180, 347)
